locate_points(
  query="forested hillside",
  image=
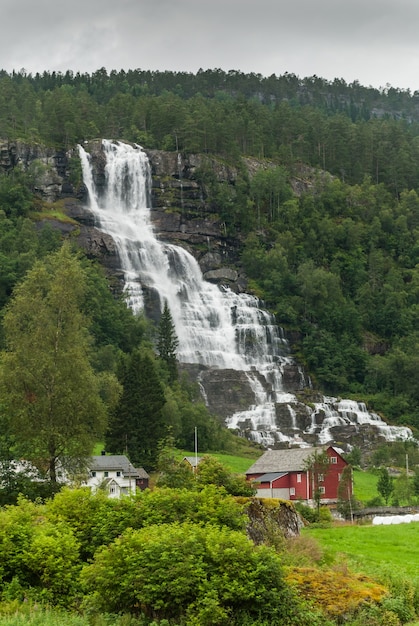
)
(329, 226)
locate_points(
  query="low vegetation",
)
(182, 556)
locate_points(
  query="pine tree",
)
(167, 342)
(137, 424)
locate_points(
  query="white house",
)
(115, 474)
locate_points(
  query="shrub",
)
(210, 505)
(302, 551)
(94, 518)
(204, 574)
(309, 514)
(336, 592)
(314, 516)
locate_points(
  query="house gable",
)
(286, 474)
(193, 461)
(116, 474)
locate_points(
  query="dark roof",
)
(287, 460)
(268, 478)
(115, 462)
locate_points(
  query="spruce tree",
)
(167, 342)
(137, 424)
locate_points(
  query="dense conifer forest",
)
(337, 261)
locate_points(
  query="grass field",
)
(236, 464)
(372, 549)
(365, 485)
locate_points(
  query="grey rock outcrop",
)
(264, 517)
(184, 213)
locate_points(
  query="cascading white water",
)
(215, 327)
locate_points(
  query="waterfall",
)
(216, 327)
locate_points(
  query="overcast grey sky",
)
(373, 41)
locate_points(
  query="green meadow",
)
(365, 485)
(236, 464)
(372, 549)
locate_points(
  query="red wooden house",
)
(294, 474)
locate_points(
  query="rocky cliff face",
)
(183, 213)
(271, 520)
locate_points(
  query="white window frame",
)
(333, 460)
(292, 491)
(298, 478)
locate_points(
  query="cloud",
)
(375, 42)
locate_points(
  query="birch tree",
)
(48, 387)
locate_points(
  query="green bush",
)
(314, 516)
(94, 518)
(203, 574)
(210, 505)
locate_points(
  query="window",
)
(298, 478)
(112, 490)
(321, 478)
(292, 491)
(339, 476)
(334, 460)
(118, 473)
(106, 474)
(93, 474)
(322, 490)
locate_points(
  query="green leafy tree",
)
(15, 195)
(114, 325)
(137, 424)
(213, 472)
(185, 411)
(346, 502)
(167, 342)
(402, 488)
(354, 457)
(318, 466)
(172, 472)
(385, 486)
(47, 382)
(16, 479)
